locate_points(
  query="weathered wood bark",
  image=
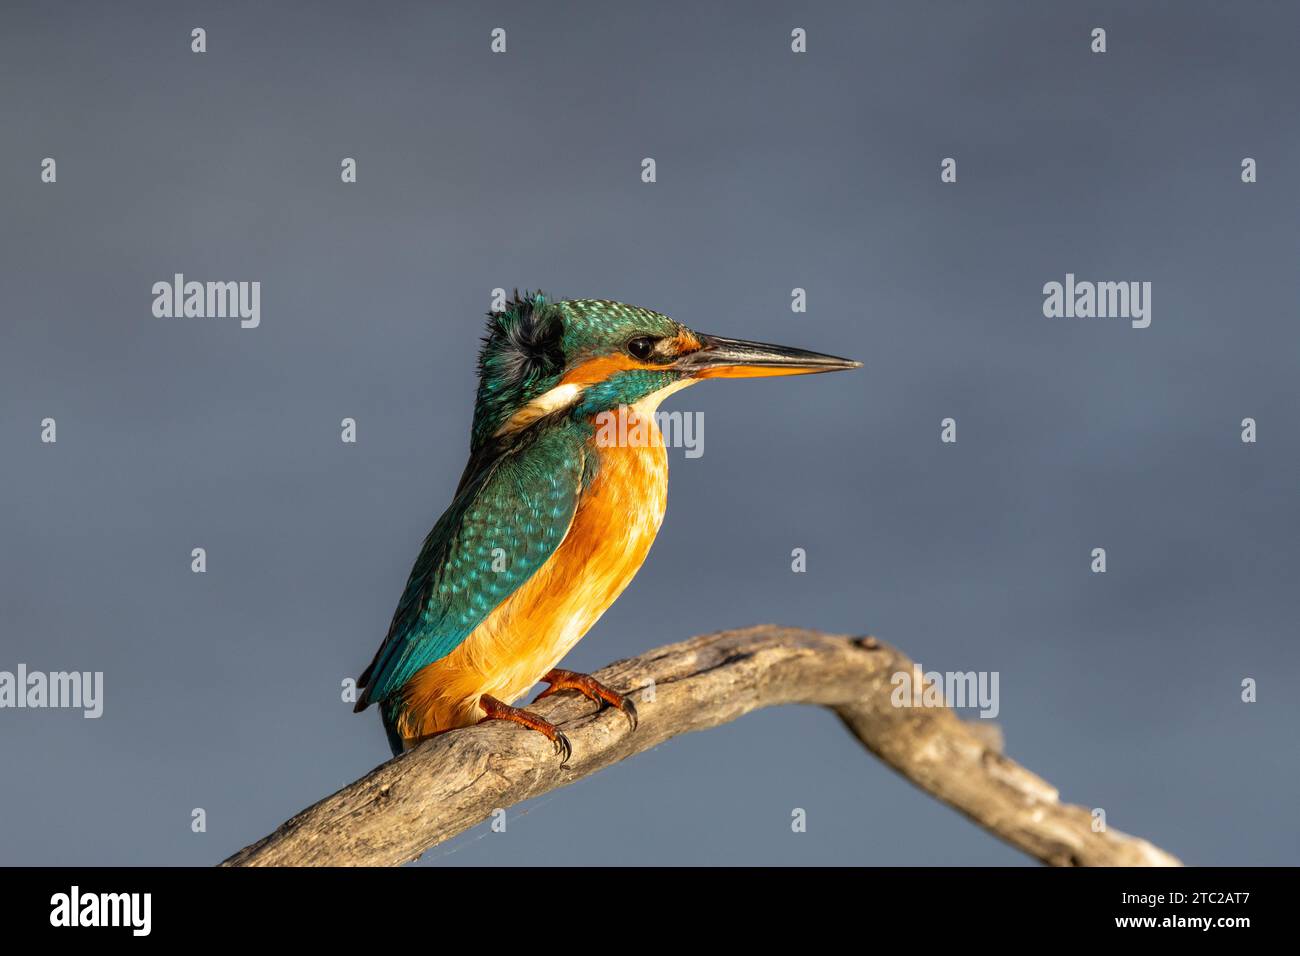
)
(452, 782)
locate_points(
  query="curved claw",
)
(629, 711)
(494, 709)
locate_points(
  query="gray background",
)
(775, 171)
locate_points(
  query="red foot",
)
(590, 688)
(496, 710)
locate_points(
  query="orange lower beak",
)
(736, 358)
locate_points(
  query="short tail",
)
(364, 681)
(364, 701)
(390, 728)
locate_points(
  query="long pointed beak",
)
(736, 358)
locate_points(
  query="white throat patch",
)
(563, 396)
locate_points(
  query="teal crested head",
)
(542, 356)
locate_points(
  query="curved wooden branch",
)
(454, 781)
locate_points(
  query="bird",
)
(563, 494)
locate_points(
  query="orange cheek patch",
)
(598, 369)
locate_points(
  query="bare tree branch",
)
(454, 781)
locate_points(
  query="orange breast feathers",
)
(614, 525)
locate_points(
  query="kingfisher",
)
(563, 494)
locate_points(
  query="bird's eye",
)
(641, 347)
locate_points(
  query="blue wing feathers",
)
(522, 503)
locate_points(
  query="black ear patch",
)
(524, 342)
(522, 356)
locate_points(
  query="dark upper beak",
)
(736, 358)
